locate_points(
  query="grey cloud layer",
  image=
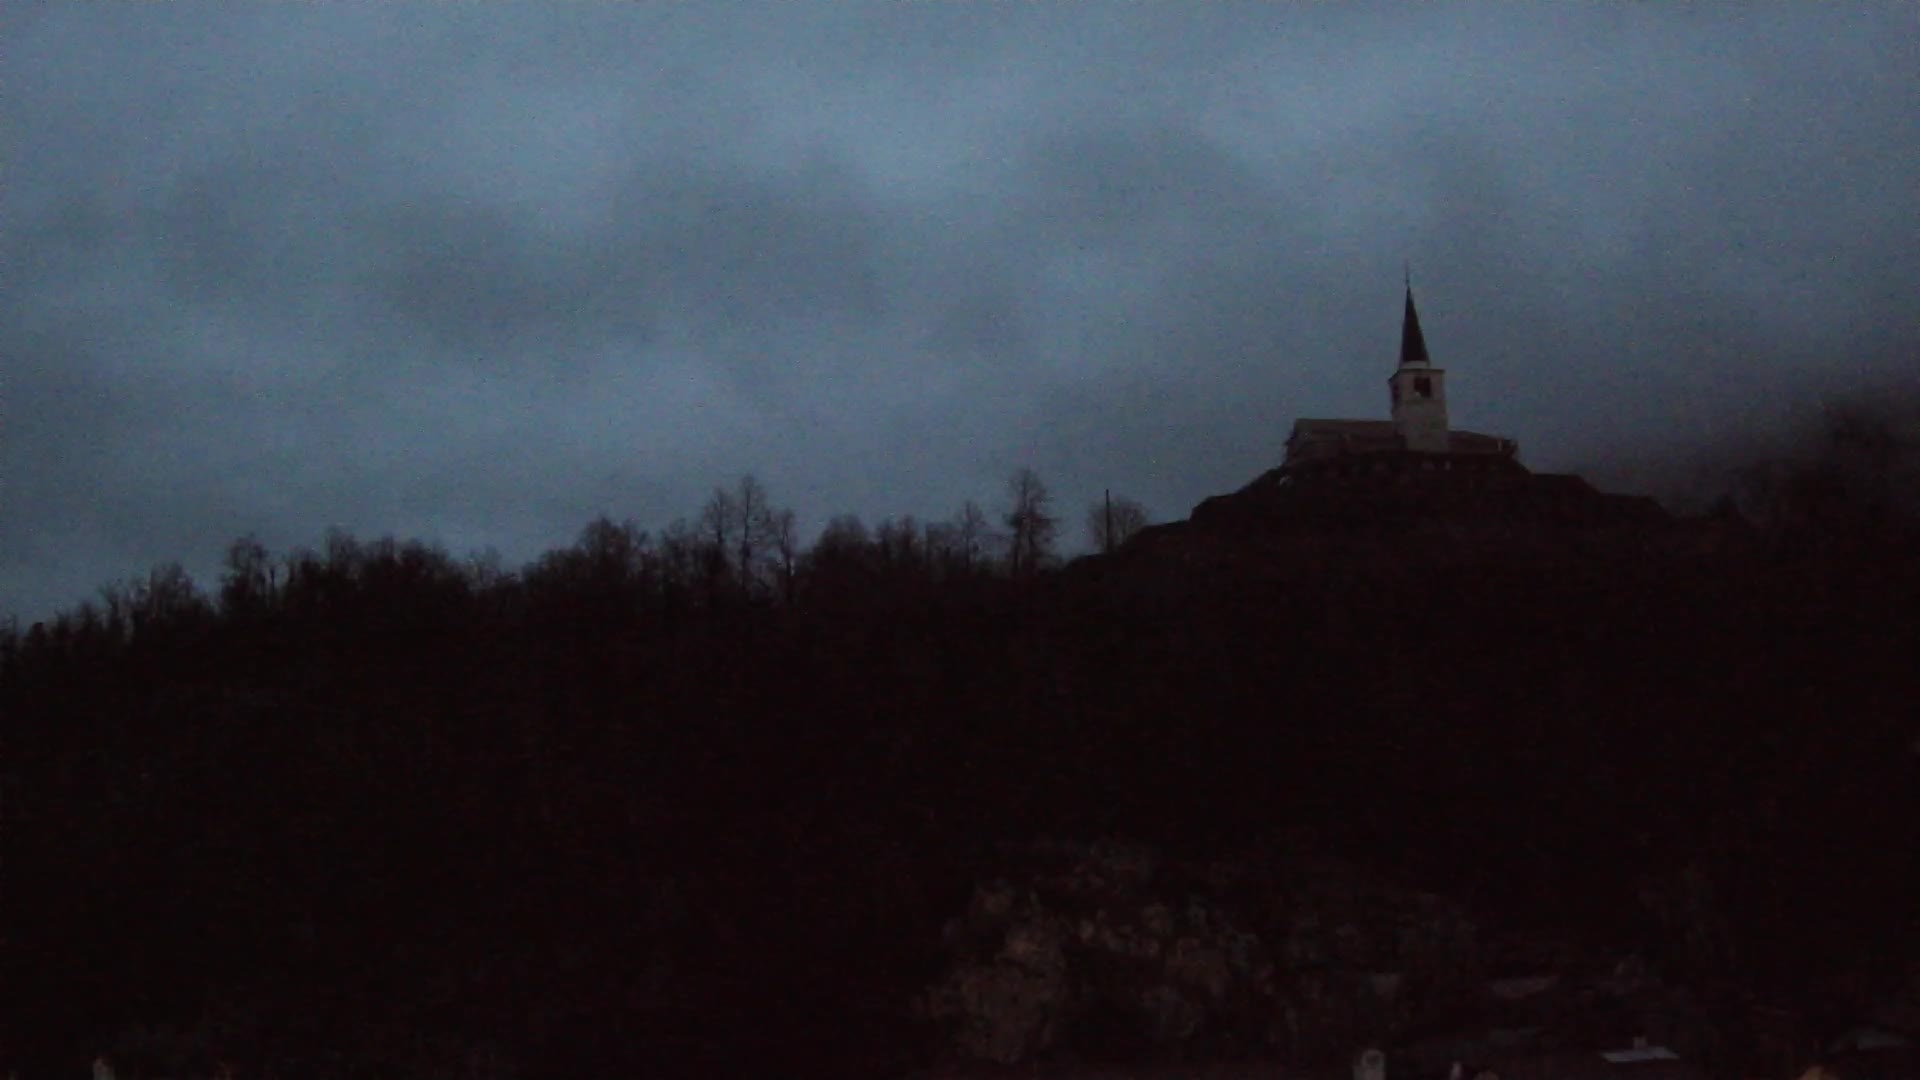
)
(480, 273)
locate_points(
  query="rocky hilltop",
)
(1408, 519)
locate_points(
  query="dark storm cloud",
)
(477, 274)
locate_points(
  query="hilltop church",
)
(1417, 437)
(1414, 471)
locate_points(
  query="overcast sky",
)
(478, 273)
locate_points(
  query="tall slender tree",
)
(785, 538)
(1030, 523)
(970, 534)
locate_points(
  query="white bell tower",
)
(1419, 390)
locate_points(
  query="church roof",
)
(1359, 429)
(1472, 442)
(1362, 436)
(1413, 344)
(1312, 439)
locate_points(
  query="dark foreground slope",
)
(391, 816)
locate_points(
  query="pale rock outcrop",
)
(1113, 949)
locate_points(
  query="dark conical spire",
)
(1413, 345)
